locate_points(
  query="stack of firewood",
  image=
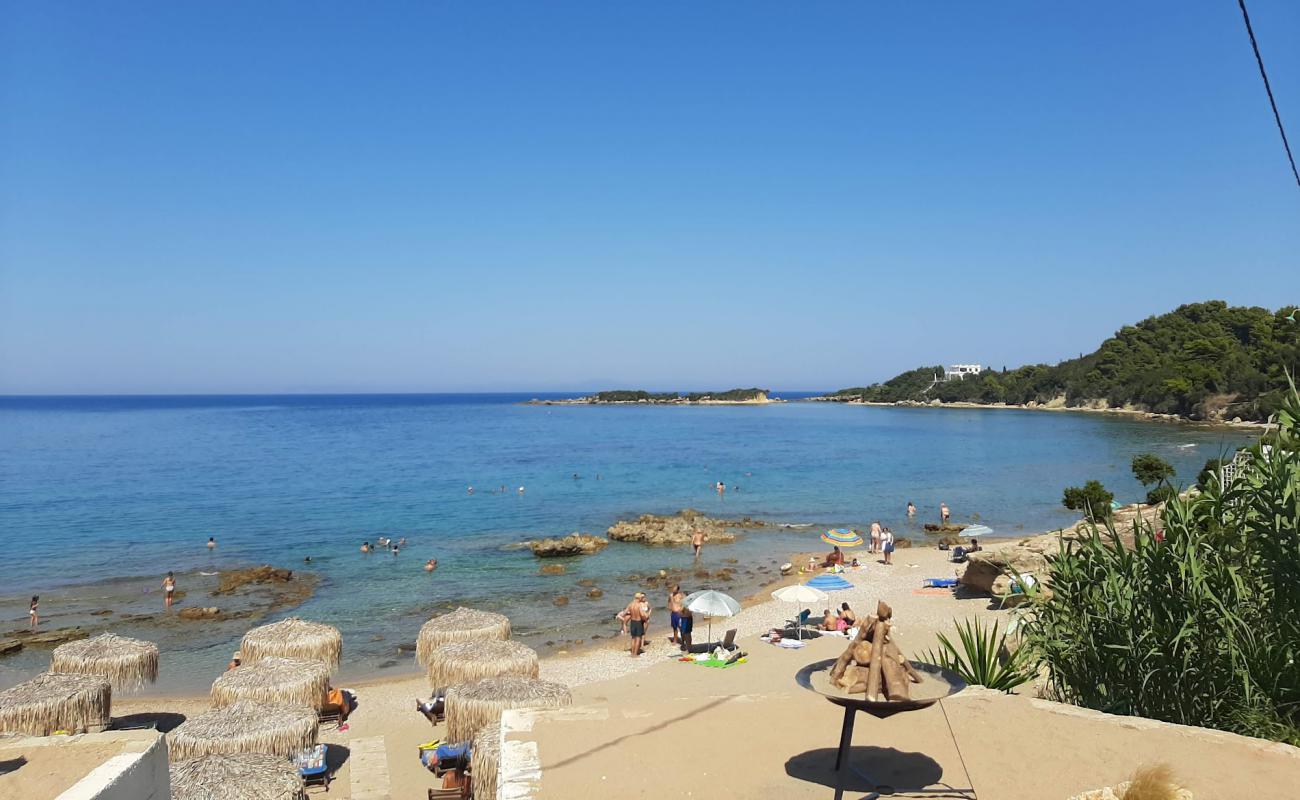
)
(873, 664)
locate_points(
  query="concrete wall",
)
(139, 772)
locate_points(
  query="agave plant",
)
(983, 658)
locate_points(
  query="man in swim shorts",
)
(636, 619)
(697, 541)
(685, 624)
(675, 598)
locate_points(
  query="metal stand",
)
(846, 743)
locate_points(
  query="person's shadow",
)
(891, 771)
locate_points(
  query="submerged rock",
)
(595, 593)
(551, 569)
(575, 544)
(561, 601)
(235, 579)
(211, 612)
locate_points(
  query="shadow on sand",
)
(898, 773)
(162, 721)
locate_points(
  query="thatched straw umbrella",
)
(247, 776)
(293, 638)
(471, 706)
(461, 625)
(485, 762)
(56, 701)
(245, 727)
(127, 663)
(463, 662)
(290, 681)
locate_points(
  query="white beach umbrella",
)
(712, 604)
(799, 594)
(977, 530)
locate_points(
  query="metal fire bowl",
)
(939, 683)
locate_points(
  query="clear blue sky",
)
(265, 196)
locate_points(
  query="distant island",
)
(642, 397)
(1203, 361)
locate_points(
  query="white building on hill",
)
(960, 371)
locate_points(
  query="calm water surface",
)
(98, 492)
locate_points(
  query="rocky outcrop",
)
(235, 579)
(46, 638)
(947, 527)
(677, 529)
(575, 544)
(8, 646)
(984, 567)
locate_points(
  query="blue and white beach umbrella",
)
(977, 530)
(829, 583)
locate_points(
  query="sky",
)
(433, 196)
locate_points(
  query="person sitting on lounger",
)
(432, 708)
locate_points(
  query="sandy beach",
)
(766, 737)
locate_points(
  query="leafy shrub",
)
(1199, 627)
(983, 658)
(1149, 468)
(1161, 494)
(1092, 499)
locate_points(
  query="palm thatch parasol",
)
(471, 706)
(485, 761)
(247, 776)
(127, 663)
(245, 727)
(293, 638)
(463, 662)
(291, 681)
(461, 625)
(56, 701)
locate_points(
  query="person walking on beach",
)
(675, 598)
(875, 537)
(697, 542)
(169, 588)
(944, 514)
(212, 543)
(636, 620)
(887, 544)
(32, 613)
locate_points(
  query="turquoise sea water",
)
(99, 492)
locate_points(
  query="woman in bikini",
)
(169, 588)
(32, 612)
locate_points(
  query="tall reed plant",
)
(1197, 621)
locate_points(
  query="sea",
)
(101, 496)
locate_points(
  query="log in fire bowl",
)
(936, 684)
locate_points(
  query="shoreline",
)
(1135, 413)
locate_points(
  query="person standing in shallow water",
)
(33, 613)
(212, 543)
(944, 514)
(169, 588)
(911, 510)
(697, 542)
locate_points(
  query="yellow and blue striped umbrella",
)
(842, 537)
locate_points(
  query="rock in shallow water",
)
(575, 544)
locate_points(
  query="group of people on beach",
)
(635, 620)
(841, 621)
(882, 541)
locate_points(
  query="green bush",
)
(1161, 494)
(1149, 468)
(1199, 627)
(1092, 499)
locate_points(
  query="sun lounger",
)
(313, 766)
(939, 583)
(440, 757)
(728, 643)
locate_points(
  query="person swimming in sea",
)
(365, 547)
(212, 543)
(431, 565)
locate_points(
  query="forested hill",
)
(1203, 361)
